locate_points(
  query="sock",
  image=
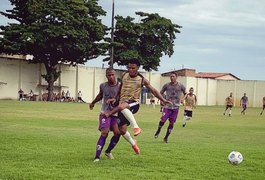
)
(129, 116)
(160, 125)
(100, 145)
(129, 138)
(114, 140)
(185, 118)
(169, 129)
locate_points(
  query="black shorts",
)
(188, 113)
(134, 107)
(229, 106)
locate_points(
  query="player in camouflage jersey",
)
(229, 104)
(190, 101)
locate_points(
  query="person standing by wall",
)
(21, 95)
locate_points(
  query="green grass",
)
(42, 140)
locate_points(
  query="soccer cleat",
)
(137, 131)
(183, 125)
(96, 160)
(224, 114)
(109, 155)
(136, 148)
(165, 140)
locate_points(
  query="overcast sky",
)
(226, 36)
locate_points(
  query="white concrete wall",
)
(19, 73)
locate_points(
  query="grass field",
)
(43, 140)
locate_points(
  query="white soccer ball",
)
(235, 157)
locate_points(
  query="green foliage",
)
(41, 140)
(149, 39)
(54, 31)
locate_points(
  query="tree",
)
(54, 32)
(148, 40)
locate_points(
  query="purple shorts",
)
(107, 123)
(170, 114)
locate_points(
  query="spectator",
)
(21, 95)
(31, 95)
(79, 97)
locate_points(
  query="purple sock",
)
(100, 145)
(114, 140)
(169, 129)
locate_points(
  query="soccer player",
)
(190, 101)
(107, 91)
(174, 92)
(263, 105)
(229, 104)
(244, 103)
(129, 95)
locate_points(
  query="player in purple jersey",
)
(107, 91)
(244, 103)
(174, 93)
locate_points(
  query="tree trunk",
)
(51, 76)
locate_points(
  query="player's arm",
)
(97, 98)
(155, 92)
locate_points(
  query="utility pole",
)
(112, 36)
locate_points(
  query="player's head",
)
(111, 76)
(191, 90)
(173, 77)
(231, 94)
(133, 66)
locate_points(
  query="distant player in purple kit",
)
(229, 104)
(263, 100)
(174, 92)
(107, 91)
(244, 103)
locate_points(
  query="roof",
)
(214, 75)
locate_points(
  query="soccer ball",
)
(235, 157)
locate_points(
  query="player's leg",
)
(165, 115)
(123, 127)
(172, 119)
(225, 109)
(133, 106)
(104, 126)
(115, 138)
(127, 136)
(230, 111)
(101, 143)
(187, 117)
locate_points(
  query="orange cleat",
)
(136, 148)
(137, 131)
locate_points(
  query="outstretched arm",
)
(155, 92)
(97, 98)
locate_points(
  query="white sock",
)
(128, 138)
(184, 120)
(129, 116)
